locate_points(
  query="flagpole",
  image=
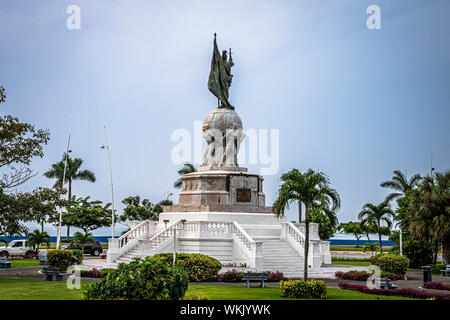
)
(58, 238)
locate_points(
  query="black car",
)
(94, 250)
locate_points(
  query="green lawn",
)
(274, 293)
(19, 263)
(25, 289)
(352, 263)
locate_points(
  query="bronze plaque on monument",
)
(243, 195)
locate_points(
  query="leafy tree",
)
(353, 228)
(87, 215)
(73, 173)
(36, 238)
(19, 144)
(376, 214)
(429, 211)
(42, 203)
(136, 209)
(327, 224)
(419, 252)
(158, 208)
(82, 239)
(187, 168)
(311, 188)
(400, 184)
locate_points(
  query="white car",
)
(16, 247)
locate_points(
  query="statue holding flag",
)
(220, 76)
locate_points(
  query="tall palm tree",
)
(36, 238)
(187, 168)
(429, 211)
(400, 184)
(311, 188)
(82, 239)
(73, 173)
(376, 214)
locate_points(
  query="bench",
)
(4, 263)
(386, 283)
(52, 274)
(255, 276)
(445, 272)
(42, 259)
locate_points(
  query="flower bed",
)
(363, 275)
(406, 292)
(437, 286)
(22, 256)
(236, 276)
(95, 273)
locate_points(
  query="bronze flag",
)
(218, 82)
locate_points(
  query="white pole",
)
(112, 188)
(58, 237)
(401, 242)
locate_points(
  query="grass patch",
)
(26, 289)
(20, 263)
(274, 293)
(352, 263)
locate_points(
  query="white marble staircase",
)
(281, 256)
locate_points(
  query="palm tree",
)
(376, 214)
(401, 184)
(36, 238)
(311, 188)
(429, 211)
(73, 173)
(82, 238)
(187, 168)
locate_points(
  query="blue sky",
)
(352, 102)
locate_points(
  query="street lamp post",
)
(58, 237)
(111, 178)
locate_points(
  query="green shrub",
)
(59, 258)
(393, 263)
(199, 267)
(436, 268)
(374, 259)
(140, 279)
(77, 256)
(104, 272)
(311, 289)
(231, 276)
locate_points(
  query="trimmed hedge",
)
(62, 259)
(437, 285)
(311, 289)
(393, 264)
(406, 292)
(141, 279)
(199, 267)
(231, 276)
(363, 275)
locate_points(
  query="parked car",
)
(16, 247)
(89, 248)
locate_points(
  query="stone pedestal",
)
(221, 191)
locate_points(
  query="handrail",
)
(161, 237)
(242, 236)
(295, 233)
(137, 232)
